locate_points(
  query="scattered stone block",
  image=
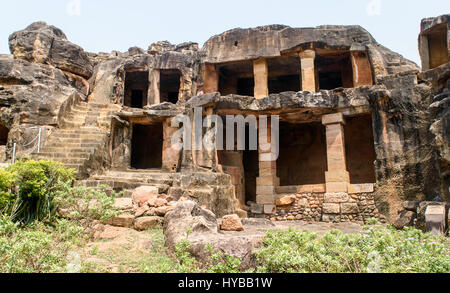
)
(123, 203)
(143, 194)
(270, 209)
(146, 223)
(231, 223)
(410, 205)
(435, 219)
(124, 220)
(285, 200)
(404, 219)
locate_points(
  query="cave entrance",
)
(147, 146)
(242, 166)
(334, 71)
(236, 79)
(170, 81)
(4, 132)
(359, 149)
(136, 89)
(284, 74)
(303, 154)
(437, 45)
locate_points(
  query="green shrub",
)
(377, 249)
(36, 248)
(86, 204)
(27, 189)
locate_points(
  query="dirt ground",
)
(124, 250)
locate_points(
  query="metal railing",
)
(36, 148)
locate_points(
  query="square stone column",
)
(337, 177)
(210, 79)
(307, 58)
(362, 71)
(153, 90)
(267, 180)
(261, 75)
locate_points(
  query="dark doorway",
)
(137, 99)
(284, 74)
(236, 79)
(330, 80)
(4, 131)
(136, 89)
(360, 149)
(170, 81)
(334, 70)
(147, 146)
(250, 160)
(303, 154)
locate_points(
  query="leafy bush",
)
(27, 189)
(86, 204)
(377, 249)
(37, 248)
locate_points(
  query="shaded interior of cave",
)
(147, 146)
(334, 70)
(437, 45)
(4, 131)
(303, 154)
(284, 74)
(250, 159)
(136, 89)
(169, 85)
(359, 149)
(236, 78)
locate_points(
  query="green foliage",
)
(224, 264)
(87, 204)
(377, 249)
(37, 248)
(27, 189)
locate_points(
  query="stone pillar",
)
(153, 91)
(362, 71)
(424, 52)
(170, 156)
(261, 73)
(210, 79)
(267, 181)
(337, 177)
(307, 58)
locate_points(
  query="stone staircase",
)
(81, 138)
(127, 181)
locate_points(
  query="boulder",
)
(411, 205)
(45, 44)
(199, 226)
(124, 220)
(123, 203)
(231, 223)
(144, 194)
(285, 200)
(146, 223)
(404, 219)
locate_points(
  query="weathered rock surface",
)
(404, 219)
(231, 223)
(146, 223)
(144, 194)
(41, 43)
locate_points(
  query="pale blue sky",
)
(105, 25)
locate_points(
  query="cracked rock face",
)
(41, 43)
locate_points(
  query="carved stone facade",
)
(356, 134)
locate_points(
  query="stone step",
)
(120, 185)
(63, 155)
(72, 151)
(73, 145)
(73, 140)
(135, 180)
